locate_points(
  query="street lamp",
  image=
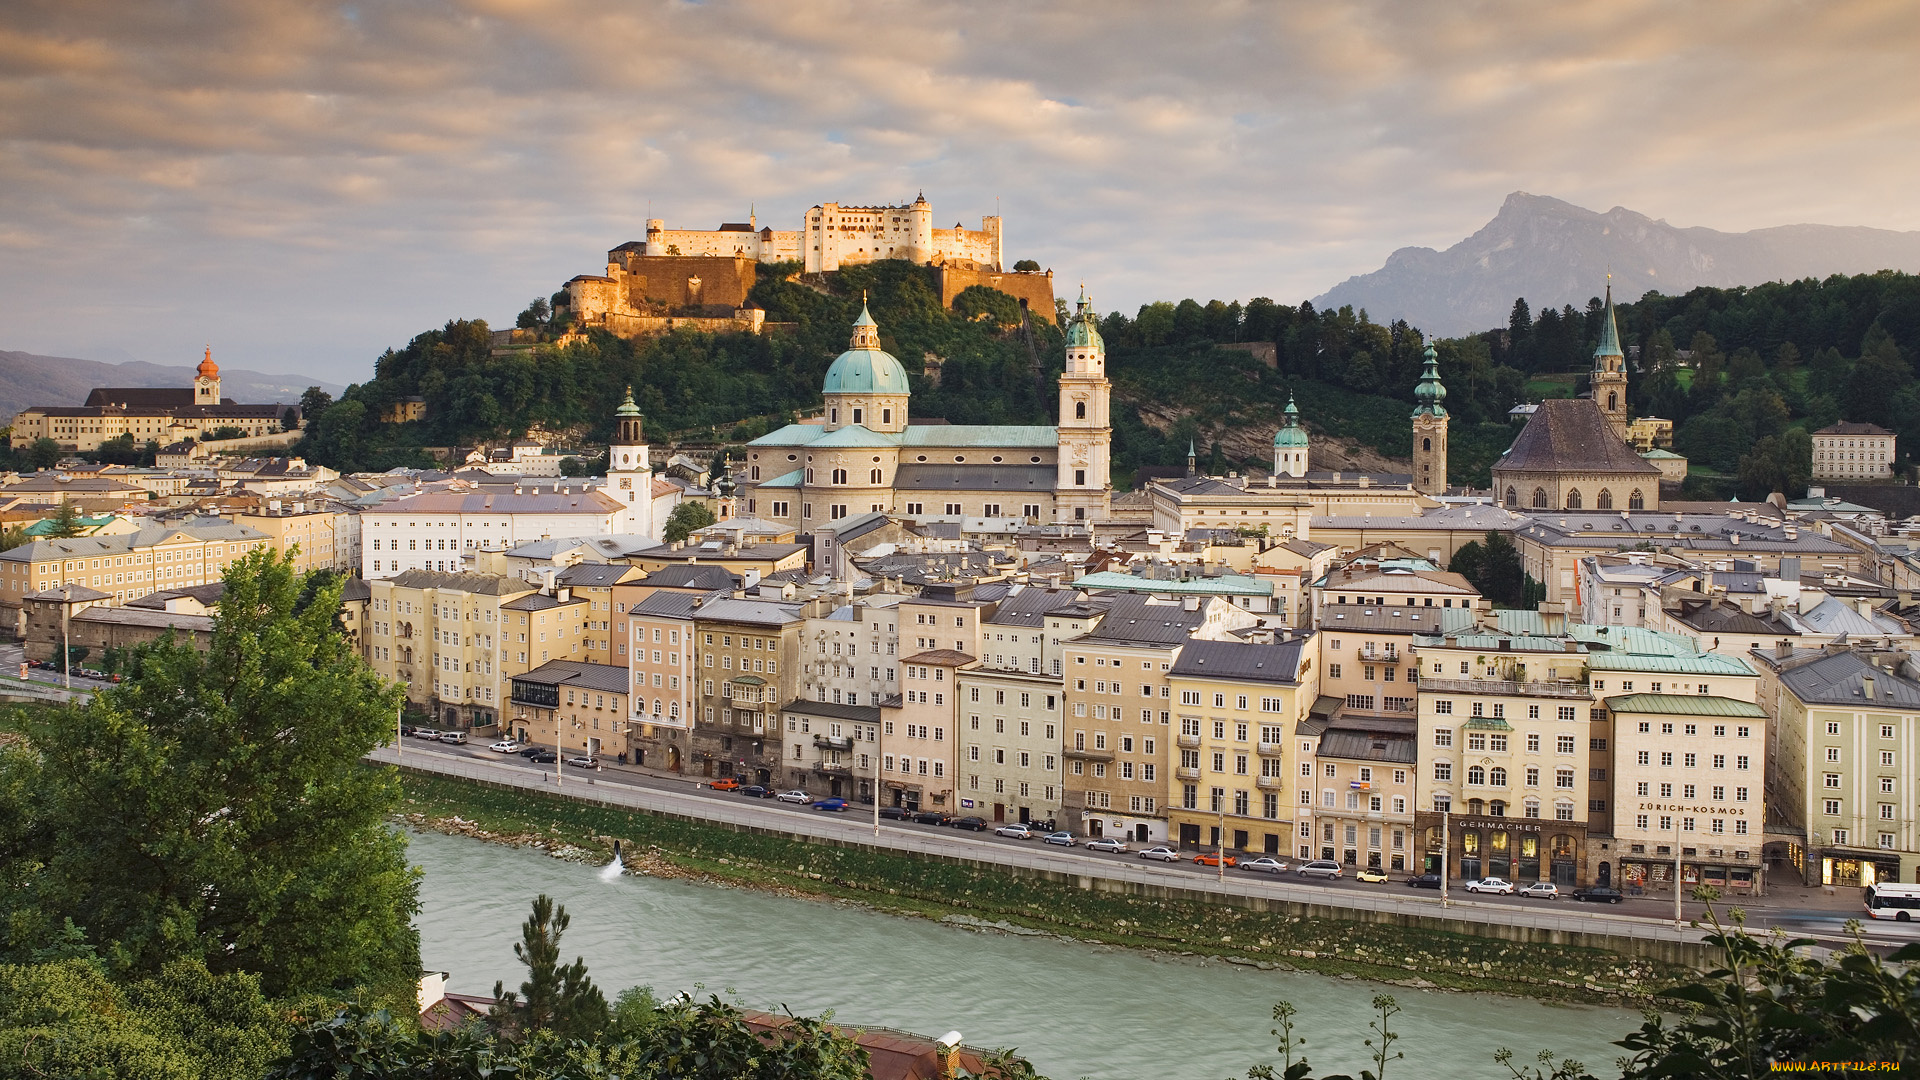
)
(1446, 847)
(1676, 871)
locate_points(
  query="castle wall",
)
(1034, 288)
(764, 245)
(980, 245)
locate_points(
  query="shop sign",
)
(966, 804)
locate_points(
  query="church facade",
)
(864, 453)
(165, 415)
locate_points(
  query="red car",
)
(1213, 859)
(725, 783)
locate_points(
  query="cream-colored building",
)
(1688, 770)
(318, 538)
(150, 414)
(832, 750)
(452, 641)
(574, 706)
(832, 235)
(1852, 451)
(1238, 704)
(128, 566)
(1010, 745)
(919, 738)
(850, 654)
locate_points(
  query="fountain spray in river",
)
(612, 870)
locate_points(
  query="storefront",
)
(1848, 867)
(1651, 875)
(1521, 850)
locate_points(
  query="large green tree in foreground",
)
(214, 808)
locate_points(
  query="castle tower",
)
(1430, 429)
(206, 381)
(1081, 492)
(1609, 378)
(629, 476)
(1290, 445)
(919, 231)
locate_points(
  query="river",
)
(1075, 1010)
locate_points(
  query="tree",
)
(535, 314)
(1026, 266)
(43, 453)
(570, 466)
(67, 522)
(1469, 561)
(314, 402)
(1782, 463)
(1501, 576)
(555, 997)
(684, 519)
(226, 431)
(215, 807)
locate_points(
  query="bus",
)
(1892, 900)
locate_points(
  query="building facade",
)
(1853, 451)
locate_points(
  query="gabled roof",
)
(692, 576)
(1572, 435)
(1840, 679)
(1276, 663)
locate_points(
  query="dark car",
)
(933, 817)
(830, 804)
(1424, 881)
(544, 757)
(755, 791)
(1598, 894)
(533, 751)
(977, 824)
(895, 813)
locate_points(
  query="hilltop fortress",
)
(701, 278)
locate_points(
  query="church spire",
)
(1608, 382)
(1429, 393)
(1609, 337)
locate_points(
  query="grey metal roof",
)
(1840, 680)
(479, 584)
(593, 575)
(756, 612)
(1365, 746)
(603, 677)
(1008, 478)
(673, 605)
(1029, 606)
(693, 576)
(1277, 663)
(1376, 619)
(538, 601)
(1135, 619)
(1572, 434)
(859, 714)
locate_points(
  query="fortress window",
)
(1605, 501)
(1636, 501)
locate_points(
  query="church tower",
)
(1290, 444)
(1081, 489)
(1430, 429)
(1609, 378)
(206, 381)
(629, 476)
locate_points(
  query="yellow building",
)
(574, 706)
(164, 415)
(1238, 704)
(319, 539)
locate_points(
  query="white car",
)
(582, 761)
(1108, 844)
(1017, 831)
(1495, 885)
(1542, 890)
(1264, 864)
(1164, 854)
(505, 746)
(794, 797)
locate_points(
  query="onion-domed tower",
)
(1290, 444)
(1082, 490)
(1430, 429)
(206, 381)
(629, 474)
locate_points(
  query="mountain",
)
(1555, 253)
(26, 380)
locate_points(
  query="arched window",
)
(1605, 501)
(1471, 839)
(1540, 498)
(673, 711)
(1497, 776)
(1079, 410)
(809, 476)
(873, 476)
(839, 476)
(1613, 401)
(1636, 501)
(1513, 497)
(1426, 444)
(1573, 499)
(1497, 808)
(1476, 775)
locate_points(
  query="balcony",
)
(1269, 782)
(1503, 686)
(833, 742)
(1271, 749)
(832, 768)
(1089, 755)
(1186, 772)
(1188, 742)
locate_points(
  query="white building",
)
(1847, 451)
(432, 531)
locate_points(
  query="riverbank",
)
(900, 884)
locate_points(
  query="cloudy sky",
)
(303, 184)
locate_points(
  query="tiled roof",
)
(603, 677)
(1572, 435)
(1135, 619)
(940, 658)
(975, 477)
(478, 584)
(1848, 428)
(981, 435)
(692, 576)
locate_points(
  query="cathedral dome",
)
(1081, 331)
(865, 368)
(1291, 435)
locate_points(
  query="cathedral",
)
(865, 453)
(1573, 454)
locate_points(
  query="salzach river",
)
(1075, 1010)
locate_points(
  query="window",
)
(1443, 737)
(1442, 770)
(1442, 708)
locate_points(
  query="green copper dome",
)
(1291, 435)
(865, 368)
(1429, 393)
(1081, 331)
(627, 407)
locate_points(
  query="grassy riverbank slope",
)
(902, 884)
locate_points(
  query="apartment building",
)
(450, 640)
(1013, 635)
(433, 530)
(832, 750)
(918, 736)
(661, 663)
(574, 706)
(1689, 771)
(1010, 740)
(1390, 584)
(319, 538)
(1845, 761)
(1357, 777)
(595, 583)
(849, 655)
(749, 652)
(131, 565)
(1237, 705)
(1366, 653)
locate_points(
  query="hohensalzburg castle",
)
(833, 235)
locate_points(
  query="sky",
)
(302, 185)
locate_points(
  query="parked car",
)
(1497, 886)
(755, 791)
(1108, 844)
(1371, 876)
(457, 738)
(530, 751)
(976, 824)
(427, 733)
(726, 783)
(544, 757)
(584, 761)
(1424, 881)
(1320, 868)
(1542, 890)
(830, 804)
(505, 746)
(1161, 854)
(798, 796)
(895, 813)
(1265, 864)
(1017, 831)
(933, 817)
(1597, 894)
(1213, 858)
(1064, 839)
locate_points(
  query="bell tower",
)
(1430, 429)
(1081, 490)
(629, 476)
(1609, 378)
(206, 381)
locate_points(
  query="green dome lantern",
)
(1081, 331)
(1429, 393)
(1291, 435)
(865, 368)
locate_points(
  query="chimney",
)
(546, 581)
(1866, 687)
(1782, 649)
